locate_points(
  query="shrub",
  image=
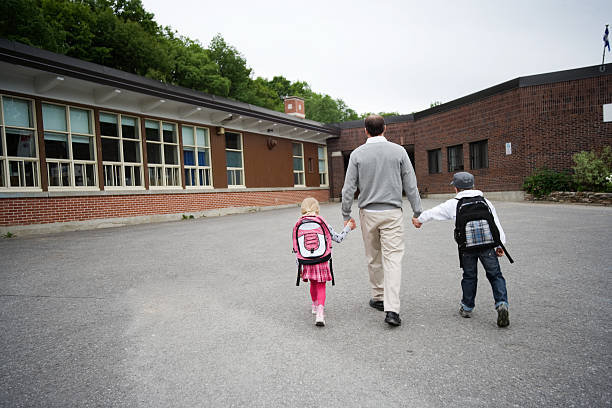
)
(545, 181)
(591, 170)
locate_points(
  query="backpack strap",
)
(456, 229)
(299, 269)
(506, 252)
(331, 270)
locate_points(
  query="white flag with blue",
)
(605, 39)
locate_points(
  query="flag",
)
(605, 39)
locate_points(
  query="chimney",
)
(294, 106)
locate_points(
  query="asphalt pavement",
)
(205, 313)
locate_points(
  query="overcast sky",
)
(398, 55)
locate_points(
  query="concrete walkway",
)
(205, 313)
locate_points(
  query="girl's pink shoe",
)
(314, 308)
(320, 319)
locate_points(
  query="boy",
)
(463, 183)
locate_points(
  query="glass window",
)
(17, 112)
(322, 155)
(233, 156)
(434, 160)
(196, 156)
(455, 158)
(80, 121)
(298, 164)
(479, 156)
(70, 145)
(162, 153)
(18, 144)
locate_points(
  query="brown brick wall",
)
(545, 124)
(24, 211)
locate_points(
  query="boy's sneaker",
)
(465, 313)
(503, 317)
(320, 319)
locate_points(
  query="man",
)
(380, 170)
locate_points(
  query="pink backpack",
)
(312, 243)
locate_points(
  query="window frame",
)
(438, 153)
(460, 165)
(71, 161)
(5, 159)
(326, 173)
(302, 172)
(478, 145)
(197, 167)
(163, 166)
(235, 169)
(122, 161)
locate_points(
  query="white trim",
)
(303, 171)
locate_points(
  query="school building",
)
(500, 134)
(84, 146)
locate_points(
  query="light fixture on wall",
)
(272, 143)
(220, 130)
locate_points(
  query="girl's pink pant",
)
(317, 292)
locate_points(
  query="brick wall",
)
(565, 118)
(545, 124)
(24, 211)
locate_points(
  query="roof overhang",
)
(45, 74)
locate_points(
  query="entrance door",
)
(410, 151)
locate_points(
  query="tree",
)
(232, 66)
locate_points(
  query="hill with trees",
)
(121, 34)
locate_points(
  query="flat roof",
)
(520, 82)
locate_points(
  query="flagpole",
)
(602, 68)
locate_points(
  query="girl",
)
(319, 274)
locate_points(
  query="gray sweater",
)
(380, 169)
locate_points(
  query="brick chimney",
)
(294, 106)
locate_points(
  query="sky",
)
(398, 56)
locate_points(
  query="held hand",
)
(416, 223)
(352, 224)
(499, 251)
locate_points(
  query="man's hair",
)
(375, 125)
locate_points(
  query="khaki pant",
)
(383, 239)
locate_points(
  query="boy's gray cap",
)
(463, 179)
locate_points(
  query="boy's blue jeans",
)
(470, 277)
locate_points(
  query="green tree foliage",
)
(123, 35)
(592, 171)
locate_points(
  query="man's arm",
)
(409, 183)
(351, 181)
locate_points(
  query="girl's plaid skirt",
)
(317, 272)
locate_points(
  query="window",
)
(233, 156)
(479, 157)
(121, 158)
(455, 158)
(434, 158)
(162, 153)
(196, 155)
(298, 164)
(69, 145)
(322, 153)
(18, 150)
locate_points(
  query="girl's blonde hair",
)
(310, 206)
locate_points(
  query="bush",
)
(591, 171)
(545, 181)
